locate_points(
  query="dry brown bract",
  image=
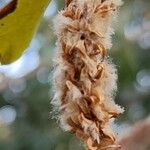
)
(84, 80)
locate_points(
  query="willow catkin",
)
(84, 80)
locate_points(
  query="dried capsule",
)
(84, 80)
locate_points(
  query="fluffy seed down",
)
(84, 80)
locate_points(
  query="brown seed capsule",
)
(84, 80)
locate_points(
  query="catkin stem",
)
(84, 80)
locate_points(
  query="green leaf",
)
(19, 21)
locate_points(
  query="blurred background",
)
(25, 88)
